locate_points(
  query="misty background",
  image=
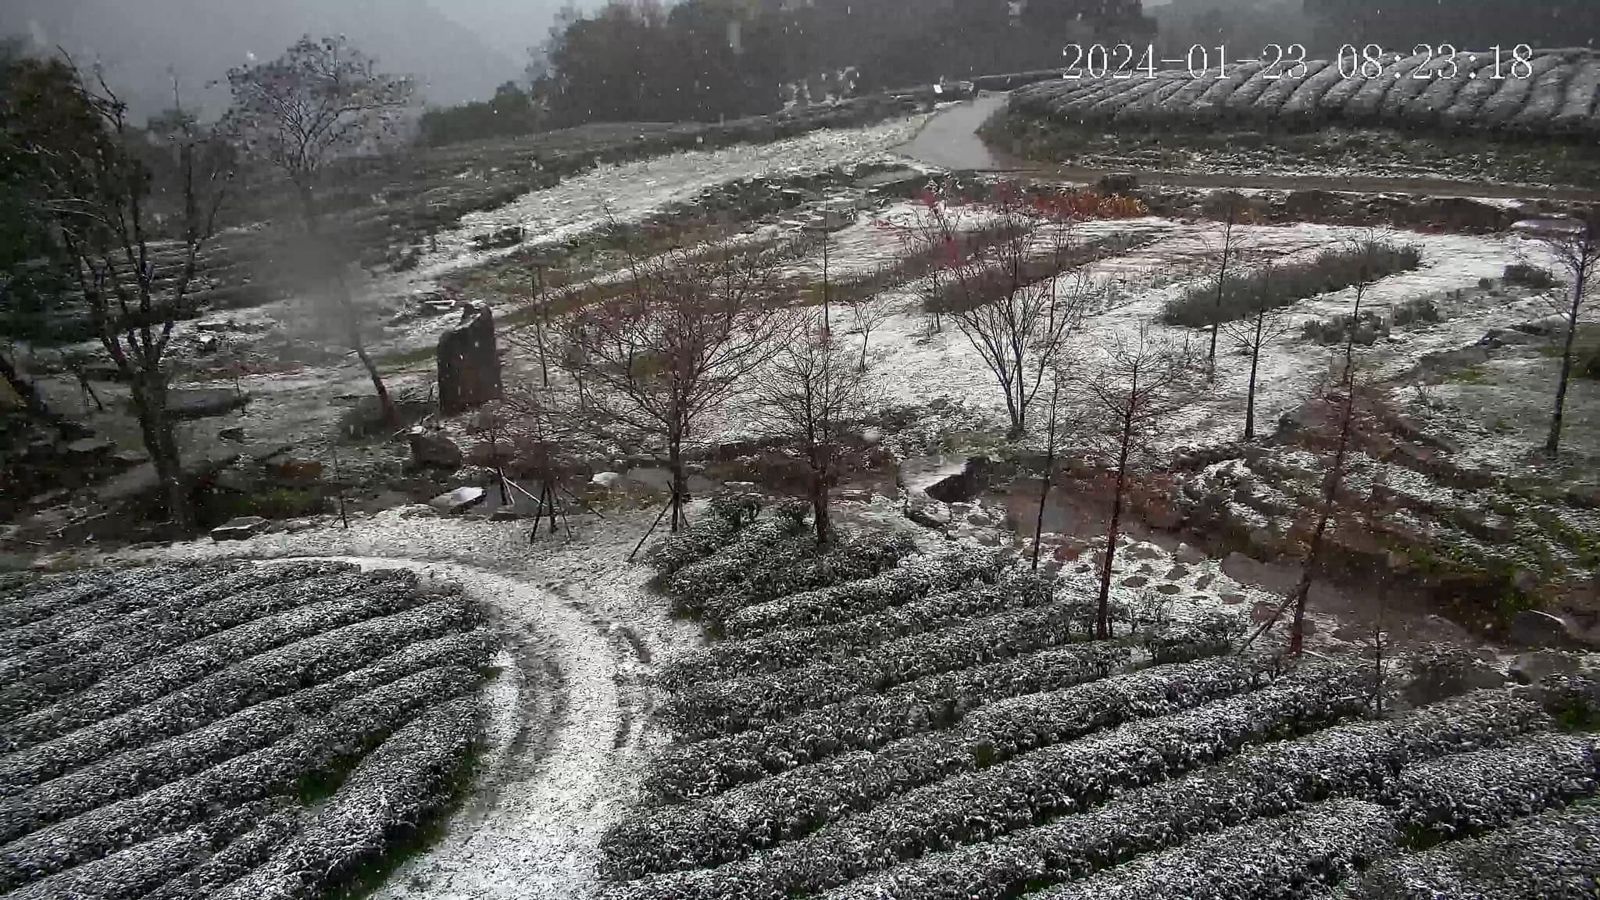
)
(459, 50)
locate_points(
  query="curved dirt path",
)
(570, 729)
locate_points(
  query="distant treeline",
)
(703, 60)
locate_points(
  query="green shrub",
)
(1244, 295)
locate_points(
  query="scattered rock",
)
(130, 457)
(1233, 599)
(1203, 582)
(1171, 590)
(1532, 668)
(1177, 573)
(235, 434)
(1188, 555)
(434, 449)
(469, 362)
(458, 501)
(1263, 612)
(607, 480)
(1144, 550)
(240, 529)
(1535, 628)
(88, 449)
(1136, 581)
(204, 403)
(929, 515)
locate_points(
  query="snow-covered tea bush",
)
(1287, 857)
(1553, 856)
(200, 709)
(915, 577)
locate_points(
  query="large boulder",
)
(1533, 628)
(469, 362)
(434, 449)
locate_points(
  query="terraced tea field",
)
(226, 730)
(1551, 92)
(949, 728)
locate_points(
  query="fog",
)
(458, 49)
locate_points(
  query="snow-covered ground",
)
(571, 728)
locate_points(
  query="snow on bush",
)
(870, 721)
(972, 807)
(1292, 856)
(348, 731)
(344, 601)
(86, 656)
(799, 647)
(699, 540)
(800, 565)
(1350, 761)
(48, 616)
(1470, 793)
(914, 578)
(737, 704)
(1552, 856)
(133, 772)
(277, 673)
(408, 779)
(232, 862)
(137, 871)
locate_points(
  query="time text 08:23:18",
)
(1432, 61)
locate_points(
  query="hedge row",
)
(50, 615)
(85, 657)
(133, 873)
(171, 609)
(1470, 793)
(261, 678)
(915, 577)
(760, 546)
(868, 722)
(406, 781)
(1356, 760)
(194, 661)
(798, 565)
(703, 538)
(1292, 856)
(738, 704)
(134, 772)
(731, 659)
(800, 801)
(1552, 856)
(1017, 794)
(232, 862)
(920, 791)
(346, 733)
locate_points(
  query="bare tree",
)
(809, 395)
(1333, 479)
(680, 339)
(1144, 379)
(1049, 463)
(1251, 336)
(321, 102)
(98, 184)
(1575, 243)
(1010, 297)
(1229, 245)
(869, 310)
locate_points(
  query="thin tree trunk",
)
(1330, 494)
(1102, 624)
(150, 406)
(1216, 314)
(1049, 472)
(1255, 364)
(347, 306)
(680, 481)
(1552, 444)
